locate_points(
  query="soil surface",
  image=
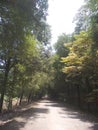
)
(48, 115)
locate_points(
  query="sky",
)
(60, 16)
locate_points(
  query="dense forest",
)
(24, 50)
(28, 67)
(77, 57)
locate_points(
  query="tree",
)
(81, 65)
(17, 20)
(57, 87)
(81, 20)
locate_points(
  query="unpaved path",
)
(49, 115)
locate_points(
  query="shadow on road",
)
(12, 125)
(94, 127)
(24, 116)
(55, 105)
(75, 113)
(32, 113)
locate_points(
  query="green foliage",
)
(59, 45)
(23, 29)
(57, 86)
(79, 51)
(76, 61)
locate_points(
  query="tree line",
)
(76, 61)
(24, 37)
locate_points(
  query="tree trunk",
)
(89, 89)
(3, 89)
(29, 97)
(68, 93)
(10, 103)
(79, 97)
(21, 97)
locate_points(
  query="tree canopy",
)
(23, 33)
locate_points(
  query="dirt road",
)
(49, 115)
